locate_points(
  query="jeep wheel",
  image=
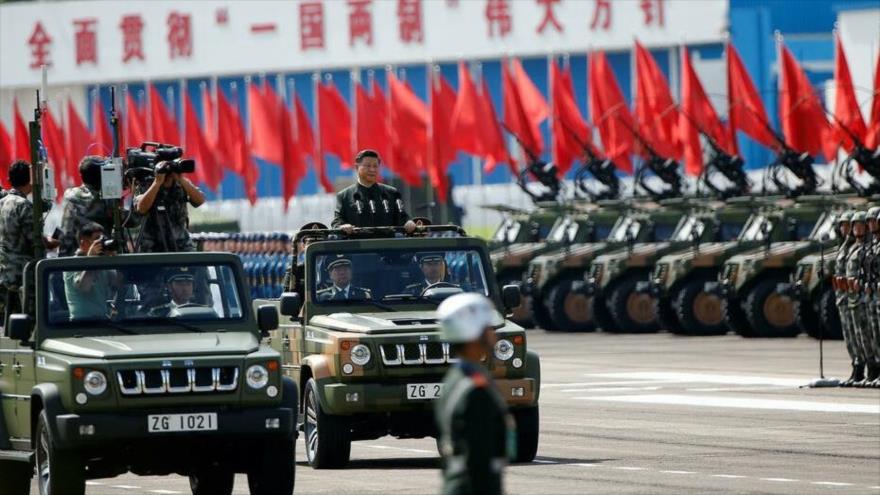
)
(697, 311)
(633, 312)
(328, 437)
(274, 468)
(769, 313)
(829, 316)
(527, 432)
(16, 478)
(58, 472)
(571, 311)
(212, 480)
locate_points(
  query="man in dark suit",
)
(342, 290)
(433, 267)
(368, 203)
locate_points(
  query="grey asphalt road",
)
(648, 414)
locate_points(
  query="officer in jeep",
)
(340, 270)
(433, 266)
(180, 289)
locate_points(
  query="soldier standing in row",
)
(83, 205)
(842, 292)
(477, 432)
(368, 203)
(869, 288)
(854, 300)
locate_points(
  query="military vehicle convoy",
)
(371, 363)
(149, 363)
(814, 304)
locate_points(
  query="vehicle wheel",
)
(212, 480)
(770, 314)
(805, 317)
(570, 310)
(633, 312)
(58, 472)
(697, 311)
(734, 318)
(16, 478)
(527, 432)
(829, 316)
(541, 314)
(522, 314)
(274, 469)
(328, 437)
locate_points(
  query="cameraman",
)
(164, 206)
(89, 291)
(83, 205)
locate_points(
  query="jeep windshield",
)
(121, 296)
(388, 276)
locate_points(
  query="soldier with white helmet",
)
(476, 431)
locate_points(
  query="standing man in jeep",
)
(476, 429)
(83, 205)
(164, 208)
(368, 203)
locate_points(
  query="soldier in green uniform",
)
(433, 266)
(875, 314)
(164, 206)
(368, 203)
(293, 275)
(847, 241)
(869, 289)
(82, 205)
(340, 271)
(476, 431)
(16, 237)
(854, 299)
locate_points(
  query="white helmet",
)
(463, 317)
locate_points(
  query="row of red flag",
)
(415, 137)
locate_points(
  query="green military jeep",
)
(360, 336)
(149, 363)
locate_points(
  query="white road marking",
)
(741, 403)
(681, 377)
(386, 447)
(737, 389)
(781, 480)
(95, 483)
(543, 461)
(677, 472)
(125, 487)
(609, 389)
(629, 468)
(604, 384)
(830, 483)
(728, 476)
(586, 464)
(165, 492)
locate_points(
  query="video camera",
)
(109, 244)
(157, 158)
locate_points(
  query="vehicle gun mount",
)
(801, 166)
(604, 171)
(545, 174)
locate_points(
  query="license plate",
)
(163, 423)
(421, 391)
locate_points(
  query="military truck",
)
(749, 283)
(371, 364)
(126, 367)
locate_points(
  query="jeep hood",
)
(378, 323)
(154, 345)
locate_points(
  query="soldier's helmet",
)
(464, 317)
(859, 217)
(873, 213)
(845, 217)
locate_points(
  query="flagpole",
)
(476, 164)
(354, 78)
(316, 110)
(432, 160)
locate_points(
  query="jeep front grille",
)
(177, 380)
(429, 353)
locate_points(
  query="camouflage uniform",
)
(869, 283)
(166, 227)
(82, 205)
(855, 303)
(16, 246)
(841, 295)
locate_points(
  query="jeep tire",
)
(274, 469)
(212, 480)
(527, 432)
(697, 311)
(630, 310)
(570, 311)
(58, 472)
(769, 313)
(15, 477)
(328, 437)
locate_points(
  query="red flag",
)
(409, 131)
(381, 124)
(442, 151)
(495, 151)
(53, 140)
(163, 125)
(524, 107)
(609, 112)
(293, 162)
(265, 117)
(100, 128)
(847, 115)
(6, 154)
(22, 141)
(78, 141)
(655, 112)
(745, 107)
(872, 136)
(196, 147)
(466, 126)
(334, 123)
(209, 126)
(135, 123)
(570, 132)
(233, 146)
(803, 120)
(306, 139)
(697, 116)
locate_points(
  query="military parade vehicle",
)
(814, 300)
(148, 363)
(368, 360)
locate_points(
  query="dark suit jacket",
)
(347, 211)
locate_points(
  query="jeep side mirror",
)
(291, 304)
(267, 318)
(511, 297)
(20, 327)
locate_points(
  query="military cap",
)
(859, 217)
(179, 274)
(339, 261)
(314, 226)
(429, 257)
(422, 221)
(283, 237)
(873, 213)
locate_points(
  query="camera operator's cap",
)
(464, 317)
(182, 273)
(430, 257)
(338, 262)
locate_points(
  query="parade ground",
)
(646, 414)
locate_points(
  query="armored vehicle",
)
(749, 283)
(814, 304)
(360, 336)
(149, 363)
(520, 225)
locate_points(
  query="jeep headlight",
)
(360, 354)
(257, 376)
(95, 382)
(503, 350)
